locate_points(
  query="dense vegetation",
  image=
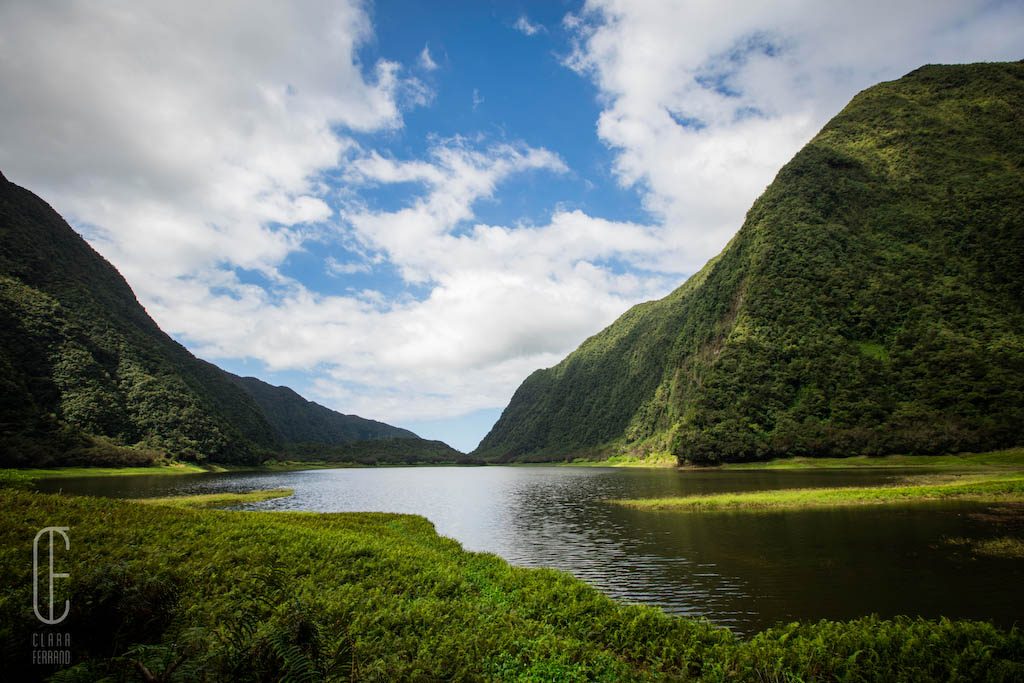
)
(84, 369)
(87, 377)
(183, 595)
(296, 420)
(872, 303)
(393, 451)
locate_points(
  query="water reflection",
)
(745, 571)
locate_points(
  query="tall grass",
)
(182, 595)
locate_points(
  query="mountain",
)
(296, 420)
(871, 303)
(309, 431)
(87, 377)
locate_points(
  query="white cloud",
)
(526, 27)
(501, 300)
(426, 61)
(478, 99)
(703, 103)
(187, 134)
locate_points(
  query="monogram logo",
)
(50, 575)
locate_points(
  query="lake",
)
(745, 571)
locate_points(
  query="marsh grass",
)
(166, 469)
(1012, 458)
(212, 595)
(994, 488)
(218, 500)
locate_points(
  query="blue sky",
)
(401, 209)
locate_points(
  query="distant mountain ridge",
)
(872, 302)
(87, 377)
(296, 420)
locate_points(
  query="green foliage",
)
(14, 479)
(88, 377)
(188, 595)
(297, 420)
(380, 451)
(872, 303)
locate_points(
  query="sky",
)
(402, 209)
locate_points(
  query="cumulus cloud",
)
(704, 103)
(526, 27)
(501, 301)
(186, 134)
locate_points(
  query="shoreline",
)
(1011, 459)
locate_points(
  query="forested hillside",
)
(87, 377)
(296, 420)
(309, 431)
(872, 302)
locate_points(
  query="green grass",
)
(63, 472)
(1012, 458)
(225, 595)
(992, 488)
(217, 500)
(658, 460)
(168, 469)
(625, 460)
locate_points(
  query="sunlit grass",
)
(1012, 458)
(977, 488)
(650, 460)
(217, 500)
(172, 468)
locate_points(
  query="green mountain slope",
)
(87, 377)
(80, 358)
(296, 420)
(872, 302)
(309, 431)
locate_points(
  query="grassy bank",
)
(63, 472)
(651, 460)
(978, 488)
(166, 469)
(217, 500)
(1012, 458)
(191, 468)
(368, 596)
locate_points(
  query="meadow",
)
(160, 592)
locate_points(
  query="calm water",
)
(741, 570)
